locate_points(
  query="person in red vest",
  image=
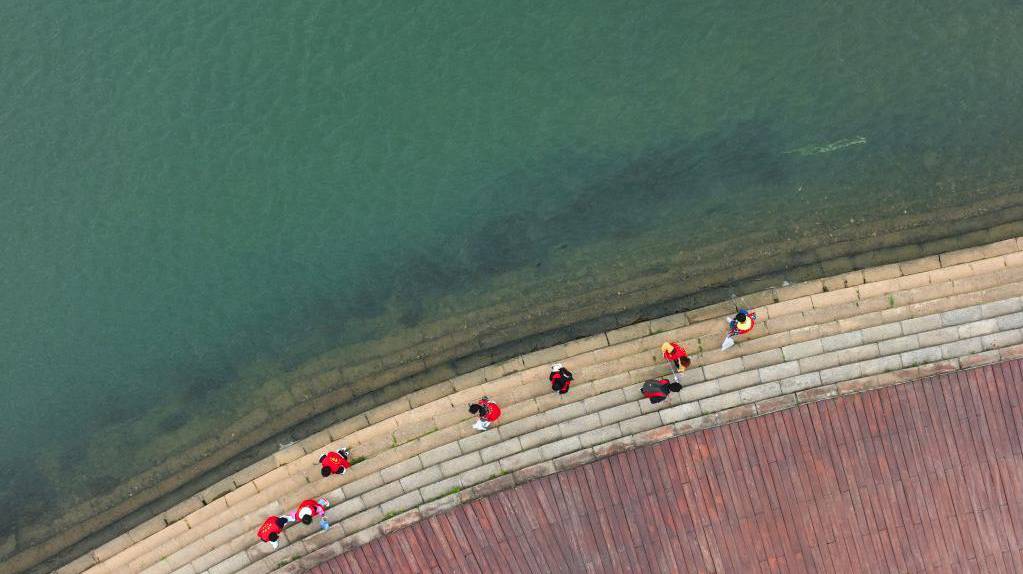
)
(335, 462)
(561, 378)
(676, 356)
(308, 509)
(658, 390)
(487, 411)
(271, 529)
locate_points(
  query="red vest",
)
(335, 462)
(493, 411)
(269, 527)
(311, 505)
(676, 353)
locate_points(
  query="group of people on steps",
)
(487, 412)
(333, 462)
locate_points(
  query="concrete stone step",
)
(329, 546)
(990, 332)
(811, 301)
(192, 549)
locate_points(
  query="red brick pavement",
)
(922, 476)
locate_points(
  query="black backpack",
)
(655, 388)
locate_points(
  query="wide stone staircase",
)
(419, 455)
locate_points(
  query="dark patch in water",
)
(100, 485)
(23, 486)
(611, 199)
(367, 301)
(614, 202)
(174, 421)
(116, 412)
(197, 389)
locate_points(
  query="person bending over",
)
(658, 390)
(308, 509)
(335, 462)
(561, 378)
(486, 411)
(271, 529)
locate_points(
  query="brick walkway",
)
(909, 478)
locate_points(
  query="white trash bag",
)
(728, 343)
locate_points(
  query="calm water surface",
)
(190, 191)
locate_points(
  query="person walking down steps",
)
(741, 324)
(658, 390)
(677, 357)
(487, 411)
(308, 509)
(561, 378)
(271, 529)
(335, 462)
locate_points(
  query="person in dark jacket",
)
(561, 378)
(658, 390)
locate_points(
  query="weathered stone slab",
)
(800, 382)
(641, 423)
(580, 425)
(720, 402)
(541, 436)
(800, 350)
(458, 465)
(382, 494)
(601, 435)
(440, 488)
(738, 381)
(501, 450)
(560, 447)
(521, 460)
(420, 479)
(779, 371)
(615, 414)
(979, 359)
(938, 336)
(921, 356)
(774, 404)
(898, 345)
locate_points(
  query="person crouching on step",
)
(676, 355)
(308, 509)
(561, 378)
(335, 462)
(271, 529)
(742, 323)
(487, 411)
(659, 389)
